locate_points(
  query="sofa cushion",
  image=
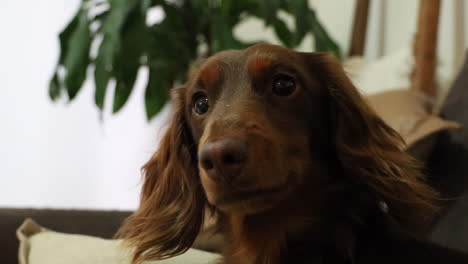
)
(390, 72)
(40, 245)
(409, 113)
(90, 222)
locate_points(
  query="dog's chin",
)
(248, 202)
(247, 207)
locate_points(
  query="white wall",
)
(391, 27)
(63, 155)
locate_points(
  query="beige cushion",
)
(392, 71)
(408, 112)
(39, 245)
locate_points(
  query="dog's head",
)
(258, 119)
(256, 127)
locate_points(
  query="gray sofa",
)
(447, 167)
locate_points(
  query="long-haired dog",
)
(296, 168)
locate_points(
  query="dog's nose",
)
(224, 159)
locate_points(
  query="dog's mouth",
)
(250, 194)
(253, 200)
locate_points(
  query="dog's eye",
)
(283, 85)
(200, 104)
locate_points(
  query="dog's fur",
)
(324, 180)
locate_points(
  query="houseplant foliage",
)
(190, 29)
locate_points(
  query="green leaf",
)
(246, 8)
(283, 32)
(268, 10)
(134, 43)
(175, 47)
(76, 59)
(175, 17)
(55, 85)
(299, 10)
(65, 35)
(109, 51)
(145, 5)
(223, 37)
(306, 22)
(226, 7)
(54, 88)
(157, 91)
(102, 71)
(246, 5)
(322, 40)
(119, 10)
(122, 92)
(169, 58)
(168, 47)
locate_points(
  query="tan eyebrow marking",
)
(210, 74)
(258, 66)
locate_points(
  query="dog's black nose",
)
(224, 159)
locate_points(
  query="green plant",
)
(125, 42)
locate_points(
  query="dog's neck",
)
(274, 237)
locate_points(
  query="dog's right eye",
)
(283, 85)
(200, 104)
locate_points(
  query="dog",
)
(291, 162)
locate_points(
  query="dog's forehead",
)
(252, 59)
(269, 50)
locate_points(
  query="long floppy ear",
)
(369, 151)
(172, 200)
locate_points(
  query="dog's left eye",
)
(283, 85)
(201, 104)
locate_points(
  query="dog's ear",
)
(369, 151)
(172, 200)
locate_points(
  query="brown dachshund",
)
(293, 164)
